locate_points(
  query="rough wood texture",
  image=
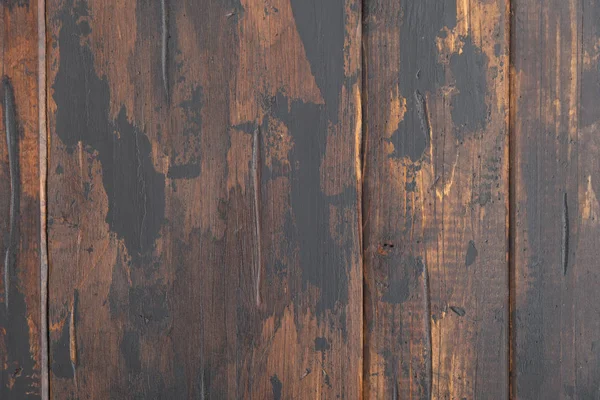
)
(555, 125)
(203, 200)
(20, 357)
(243, 204)
(435, 199)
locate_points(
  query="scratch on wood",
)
(421, 103)
(256, 183)
(165, 45)
(395, 392)
(565, 234)
(12, 137)
(73, 333)
(307, 372)
(429, 360)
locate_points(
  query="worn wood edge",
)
(511, 209)
(43, 175)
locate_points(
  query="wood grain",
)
(20, 356)
(556, 144)
(436, 199)
(203, 199)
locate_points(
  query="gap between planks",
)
(43, 176)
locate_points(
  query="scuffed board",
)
(20, 355)
(436, 199)
(556, 174)
(203, 199)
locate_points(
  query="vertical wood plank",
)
(435, 199)
(555, 125)
(204, 221)
(20, 356)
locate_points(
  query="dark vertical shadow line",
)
(43, 171)
(565, 234)
(164, 54)
(512, 158)
(427, 289)
(256, 165)
(12, 143)
(361, 188)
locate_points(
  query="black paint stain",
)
(135, 190)
(471, 254)
(12, 144)
(403, 280)
(130, 349)
(321, 344)
(277, 387)
(458, 311)
(468, 106)
(19, 366)
(321, 258)
(148, 306)
(565, 235)
(421, 22)
(118, 295)
(321, 25)
(61, 365)
(11, 3)
(184, 171)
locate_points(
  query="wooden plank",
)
(20, 356)
(435, 199)
(203, 199)
(555, 125)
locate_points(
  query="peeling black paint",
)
(61, 354)
(276, 387)
(11, 3)
(135, 190)
(321, 344)
(468, 106)
(149, 307)
(185, 171)
(20, 368)
(403, 279)
(421, 22)
(130, 349)
(321, 258)
(321, 25)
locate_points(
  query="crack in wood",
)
(165, 45)
(12, 137)
(565, 235)
(257, 226)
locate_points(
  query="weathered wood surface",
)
(203, 199)
(20, 356)
(556, 120)
(300, 199)
(435, 199)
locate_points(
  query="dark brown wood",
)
(299, 199)
(20, 356)
(555, 125)
(203, 199)
(435, 199)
